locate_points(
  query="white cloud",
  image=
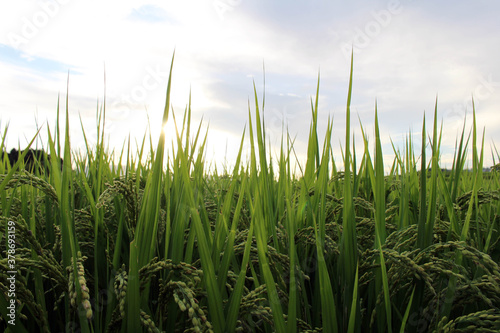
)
(411, 59)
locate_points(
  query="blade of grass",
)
(423, 194)
(348, 243)
(432, 205)
(385, 284)
(354, 310)
(143, 245)
(407, 312)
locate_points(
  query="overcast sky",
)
(406, 54)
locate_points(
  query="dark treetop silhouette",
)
(35, 159)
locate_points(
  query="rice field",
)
(104, 245)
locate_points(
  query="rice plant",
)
(160, 244)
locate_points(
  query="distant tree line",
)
(35, 160)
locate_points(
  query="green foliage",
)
(163, 245)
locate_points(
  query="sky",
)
(407, 54)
